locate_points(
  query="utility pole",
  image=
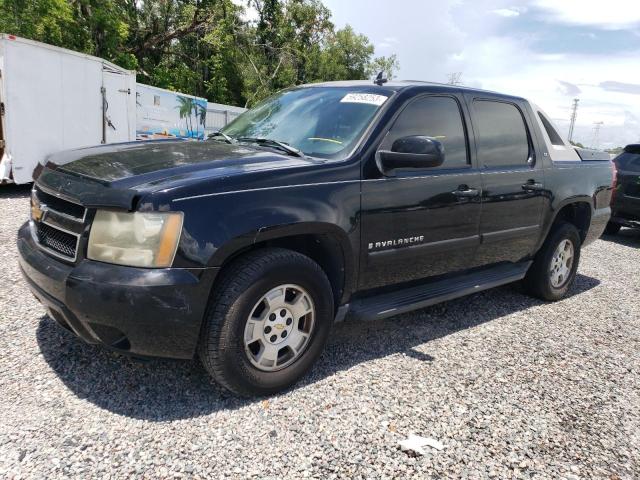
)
(596, 134)
(574, 114)
(454, 78)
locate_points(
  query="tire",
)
(540, 280)
(237, 307)
(612, 228)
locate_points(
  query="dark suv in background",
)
(625, 202)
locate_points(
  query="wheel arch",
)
(577, 210)
(326, 244)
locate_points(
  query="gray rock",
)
(514, 387)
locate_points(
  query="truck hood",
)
(112, 175)
(134, 163)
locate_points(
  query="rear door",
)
(117, 112)
(421, 222)
(512, 181)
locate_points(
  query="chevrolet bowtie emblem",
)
(279, 326)
(37, 210)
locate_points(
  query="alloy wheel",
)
(561, 263)
(279, 327)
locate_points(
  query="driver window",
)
(435, 117)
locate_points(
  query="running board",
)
(414, 298)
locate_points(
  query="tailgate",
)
(587, 154)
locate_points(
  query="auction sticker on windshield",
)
(370, 98)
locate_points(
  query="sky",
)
(549, 51)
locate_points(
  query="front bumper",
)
(140, 311)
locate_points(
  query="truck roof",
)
(396, 85)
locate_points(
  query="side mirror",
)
(415, 151)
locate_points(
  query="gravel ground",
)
(513, 387)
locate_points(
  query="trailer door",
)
(117, 109)
(5, 166)
(2, 113)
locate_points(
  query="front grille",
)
(60, 205)
(61, 242)
(57, 224)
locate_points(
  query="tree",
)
(388, 65)
(307, 27)
(347, 56)
(100, 27)
(186, 106)
(204, 47)
(44, 20)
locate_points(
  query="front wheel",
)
(267, 323)
(554, 268)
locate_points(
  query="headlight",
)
(135, 239)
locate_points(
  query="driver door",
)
(418, 223)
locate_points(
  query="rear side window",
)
(628, 161)
(553, 135)
(502, 138)
(436, 117)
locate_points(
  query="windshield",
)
(320, 121)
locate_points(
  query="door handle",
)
(466, 192)
(532, 186)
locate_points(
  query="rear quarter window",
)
(551, 132)
(628, 161)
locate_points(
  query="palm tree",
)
(186, 107)
(201, 113)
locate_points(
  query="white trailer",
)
(53, 99)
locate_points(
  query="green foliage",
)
(45, 20)
(188, 107)
(577, 144)
(204, 47)
(346, 56)
(389, 65)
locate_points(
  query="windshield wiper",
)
(226, 137)
(267, 142)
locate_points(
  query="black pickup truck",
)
(351, 199)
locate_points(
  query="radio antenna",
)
(381, 78)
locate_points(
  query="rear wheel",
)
(267, 322)
(612, 228)
(554, 268)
